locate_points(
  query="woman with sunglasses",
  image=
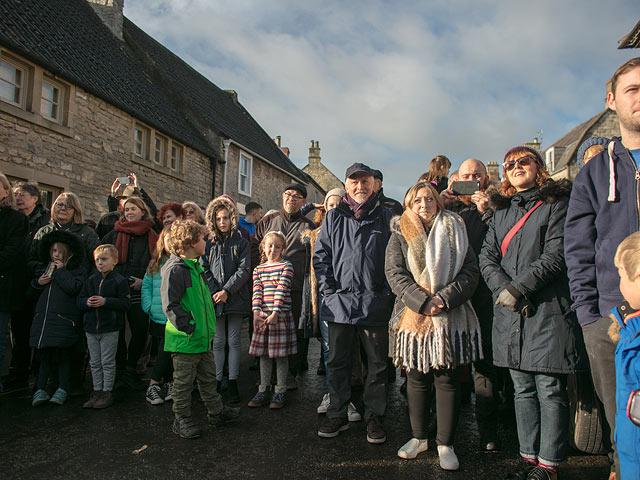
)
(535, 333)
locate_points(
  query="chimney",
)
(278, 140)
(110, 12)
(234, 95)
(314, 153)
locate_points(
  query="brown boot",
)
(104, 400)
(92, 399)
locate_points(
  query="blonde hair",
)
(72, 200)
(276, 233)
(628, 255)
(411, 194)
(197, 210)
(10, 200)
(138, 202)
(62, 248)
(107, 248)
(182, 235)
(160, 253)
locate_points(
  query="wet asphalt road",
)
(73, 443)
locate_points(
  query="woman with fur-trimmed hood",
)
(227, 264)
(432, 270)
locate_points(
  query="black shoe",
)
(232, 392)
(375, 431)
(331, 427)
(226, 415)
(184, 428)
(522, 472)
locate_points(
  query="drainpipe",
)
(225, 146)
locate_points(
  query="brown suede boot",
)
(92, 399)
(104, 400)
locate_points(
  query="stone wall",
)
(96, 147)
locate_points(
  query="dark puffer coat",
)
(349, 263)
(138, 256)
(227, 262)
(14, 228)
(114, 288)
(85, 233)
(58, 321)
(549, 340)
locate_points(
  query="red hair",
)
(174, 207)
(520, 152)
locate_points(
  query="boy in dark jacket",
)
(104, 299)
(191, 325)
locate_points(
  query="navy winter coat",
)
(549, 339)
(595, 227)
(117, 300)
(349, 263)
(14, 228)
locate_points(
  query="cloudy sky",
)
(393, 83)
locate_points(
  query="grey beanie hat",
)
(336, 192)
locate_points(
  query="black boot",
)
(232, 392)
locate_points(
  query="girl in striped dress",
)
(274, 332)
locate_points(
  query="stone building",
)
(86, 96)
(319, 172)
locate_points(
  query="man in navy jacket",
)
(356, 299)
(604, 209)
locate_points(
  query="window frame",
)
(24, 86)
(248, 174)
(144, 143)
(179, 149)
(550, 159)
(61, 99)
(163, 141)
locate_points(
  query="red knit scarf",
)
(126, 229)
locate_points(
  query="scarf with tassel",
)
(126, 229)
(434, 258)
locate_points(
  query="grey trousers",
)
(342, 343)
(102, 358)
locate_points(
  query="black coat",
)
(226, 265)
(85, 233)
(57, 321)
(38, 219)
(14, 230)
(549, 339)
(138, 255)
(110, 317)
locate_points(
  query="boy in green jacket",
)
(190, 329)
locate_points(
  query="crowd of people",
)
(535, 277)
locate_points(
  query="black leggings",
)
(163, 369)
(139, 326)
(51, 359)
(419, 395)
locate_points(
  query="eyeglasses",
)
(523, 162)
(60, 205)
(293, 196)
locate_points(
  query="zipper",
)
(97, 309)
(635, 167)
(44, 320)
(204, 304)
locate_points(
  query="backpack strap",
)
(516, 228)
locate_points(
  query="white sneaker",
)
(448, 459)
(169, 395)
(412, 448)
(352, 414)
(153, 395)
(324, 404)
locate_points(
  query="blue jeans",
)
(323, 326)
(542, 415)
(4, 328)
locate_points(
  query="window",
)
(140, 139)
(550, 159)
(244, 174)
(176, 157)
(51, 100)
(13, 80)
(159, 149)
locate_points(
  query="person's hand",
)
(273, 318)
(58, 264)
(259, 320)
(136, 283)
(220, 297)
(114, 187)
(319, 206)
(507, 300)
(447, 196)
(44, 279)
(134, 180)
(434, 306)
(95, 301)
(481, 200)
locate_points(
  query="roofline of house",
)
(248, 150)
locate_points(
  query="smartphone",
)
(465, 188)
(124, 180)
(633, 407)
(50, 269)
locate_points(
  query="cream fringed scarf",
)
(450, 338)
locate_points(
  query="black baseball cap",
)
(358, 168)
(377, 174)
(298, 187)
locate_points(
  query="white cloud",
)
(395, 83)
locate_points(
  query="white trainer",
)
(448, 458)
(412, 448)
(324, 404)
(352, 413)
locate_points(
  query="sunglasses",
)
(66, 206)
(523, 162)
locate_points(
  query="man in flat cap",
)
(357, 300)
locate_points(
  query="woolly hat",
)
(590, 142)
(532, 151)
(336, 192)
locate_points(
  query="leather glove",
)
(507, 300)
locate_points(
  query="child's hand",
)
(58, 264)
(272, 319)
(259, 320)
(95, 301)
(44, 279)
(220, 297)
(136, 283)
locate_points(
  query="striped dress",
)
(272, 293)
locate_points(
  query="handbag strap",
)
(516, 228)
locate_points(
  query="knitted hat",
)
(532, 151)
(336, 192)
(590, 142)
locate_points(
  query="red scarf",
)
(126, 229)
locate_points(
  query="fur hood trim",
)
(76, 247)
(210, 215)
(395, 225)
(548, 193)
